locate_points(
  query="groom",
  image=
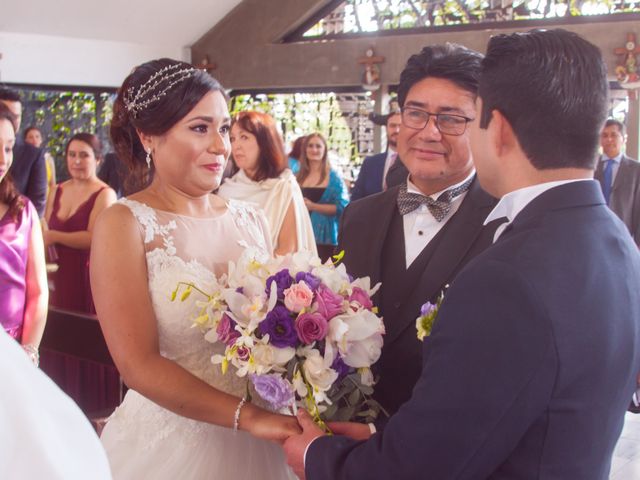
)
(534, 356)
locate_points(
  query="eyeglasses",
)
(446, 123)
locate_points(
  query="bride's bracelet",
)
(33, 353)
(236, 416)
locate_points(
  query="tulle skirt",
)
(146, 441)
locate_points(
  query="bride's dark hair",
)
(153, 106)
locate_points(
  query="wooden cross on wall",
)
(627, 70)
(371, 75)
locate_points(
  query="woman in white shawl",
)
(265, 180)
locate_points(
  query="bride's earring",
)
(148, 159)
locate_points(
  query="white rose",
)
(358, 337)
(316, 373)
(268, 356)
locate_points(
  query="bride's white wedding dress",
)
(146, 441)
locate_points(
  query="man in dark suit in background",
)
(29, 170)
(395, 237)
(371, 178)
(534, 355)
(619, 177)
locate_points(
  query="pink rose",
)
(329, 304)
(360, 296)
(311, 327)
(297, 297)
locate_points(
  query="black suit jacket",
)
(29, 172)
(531, 363)
(364, 230)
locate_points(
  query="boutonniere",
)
(428, 313)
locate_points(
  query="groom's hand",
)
(356, 431)
(296, 445)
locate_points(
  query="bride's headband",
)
(157, 86)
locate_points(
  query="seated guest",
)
(23, 278)
(71, 212)
(264, 179)
(28, 170)
(44, 434)
(33, 136)
(325, 193)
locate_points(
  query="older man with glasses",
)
(416, 236)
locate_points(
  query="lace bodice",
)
(194, 250)
(143, 439)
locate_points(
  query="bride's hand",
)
(267, 425)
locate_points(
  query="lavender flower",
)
(311, 280)
(280, 327)
(283, 281)
(427, 309)
(274, 389)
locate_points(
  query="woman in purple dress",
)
(23, 278)
(72, 208)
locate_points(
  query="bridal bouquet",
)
(303, 332)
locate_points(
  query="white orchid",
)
(267, 357)
(336, 278)
(365, 284)
(318, 374)
(358, 337)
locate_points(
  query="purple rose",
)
(283, 281)
(226, 331)
(339, 366)
(311, 280)
(311, 327)
(329, 304)
(360, 296)
(427, 309)
(280, 327)
(274, 389)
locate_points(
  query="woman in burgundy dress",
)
(23, 278)
(71, 211)
(72, 208)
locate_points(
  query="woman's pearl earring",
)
(148, 159)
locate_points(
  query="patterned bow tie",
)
(408, 202)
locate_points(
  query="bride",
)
(181, 417)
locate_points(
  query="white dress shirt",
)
(420, 226)
(511, 204)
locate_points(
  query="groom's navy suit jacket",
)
(372, 237)
(531, 362)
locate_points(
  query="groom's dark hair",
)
(450, 61)
(551, 85)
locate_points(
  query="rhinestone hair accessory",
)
(156, 87)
